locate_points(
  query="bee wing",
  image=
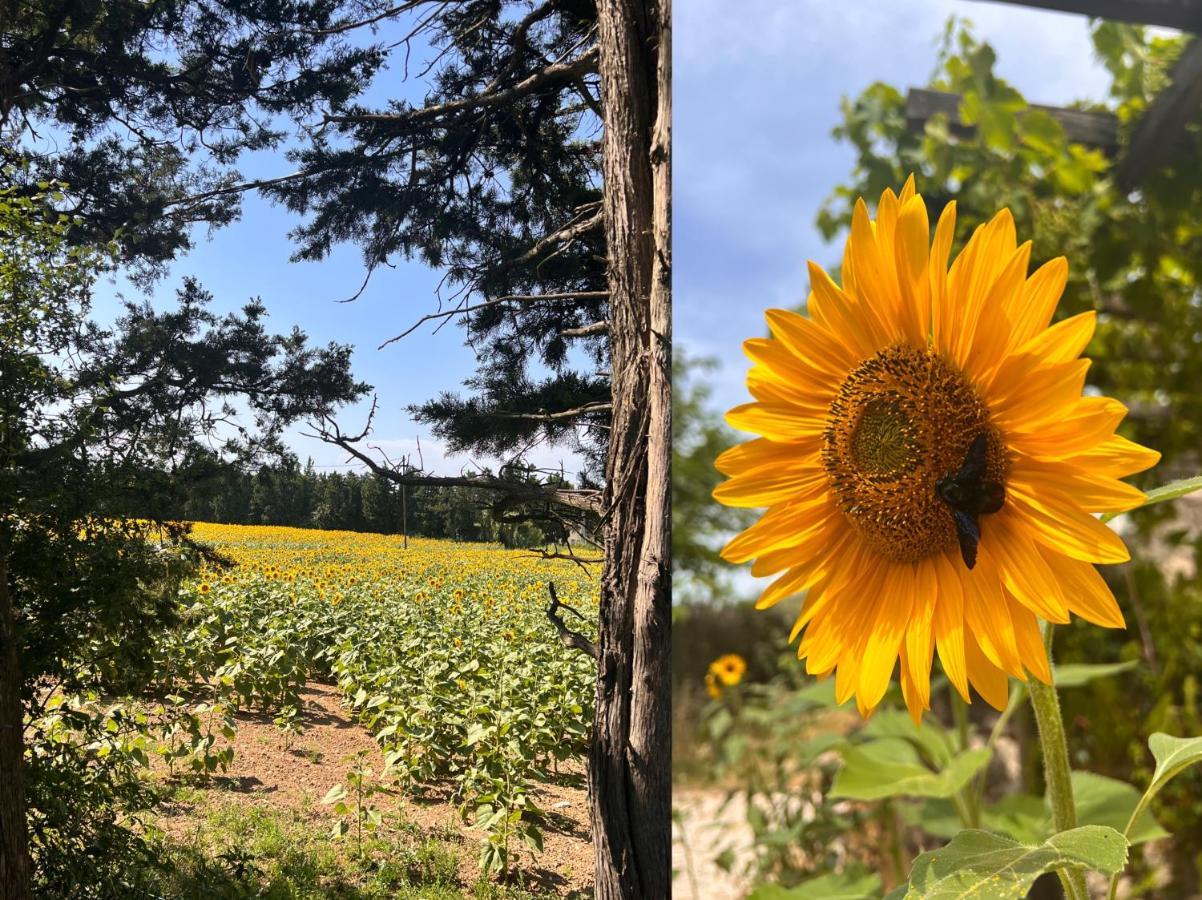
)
(969, 533)
(974, 460)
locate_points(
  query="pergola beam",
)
(1183, 14)
(1092, 129)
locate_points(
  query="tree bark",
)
(15, 867)
(630, 758)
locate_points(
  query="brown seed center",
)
(901, 421)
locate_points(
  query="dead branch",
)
(343, 27)
(544, 416)
(573, 639)
(511, 298)
(586, 330)
(586, 500)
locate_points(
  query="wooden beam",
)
(1160, 132)
(1183, 14)
(1092, 129)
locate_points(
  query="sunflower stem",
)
(1056, 771)
(972, 810)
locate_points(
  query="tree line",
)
(287, 493)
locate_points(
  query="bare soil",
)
(278, 770)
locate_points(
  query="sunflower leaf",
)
(1173, 755)
(993, 867)
(1170, 491)
(932, 740)
(890, 767)
(1099, 800)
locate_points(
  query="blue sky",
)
(756, 97)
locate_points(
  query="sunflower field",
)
(441, 650)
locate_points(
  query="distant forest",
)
(286, 493)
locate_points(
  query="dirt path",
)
(274, 769)
(703, 829)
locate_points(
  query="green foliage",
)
(1133, 257)
(282, 492)
(92, 422)
(1077, 674)
(928, 779)
(842, 886)
(450, 664)
(363, 814)
(240, 851)
(138, 107)
(1180, 488)
(890, 767)
(698, 436)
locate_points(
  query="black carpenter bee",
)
(970, 495)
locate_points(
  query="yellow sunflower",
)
(929, 463)
(729, 669)
(712, 686)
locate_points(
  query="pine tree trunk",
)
(630, 759)
(14, 840)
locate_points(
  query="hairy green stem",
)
(1057, 774)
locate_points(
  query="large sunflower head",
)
(930, 465)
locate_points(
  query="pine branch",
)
(558, 73)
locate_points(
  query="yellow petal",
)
(833, 309)
(1117, 457)
(1086, 592)
(942, 310)
(781, 423)
(912, 262)
(1091, 492)
(949, 623)
(919, 645)
(886, 633)
(1056, 522)
(1024, 573)
(763, 452)
(1029, 640)
(768, 486)
(1037, 301)
(988, 618)
(812, 344)
(988, 680)
(787, 525)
